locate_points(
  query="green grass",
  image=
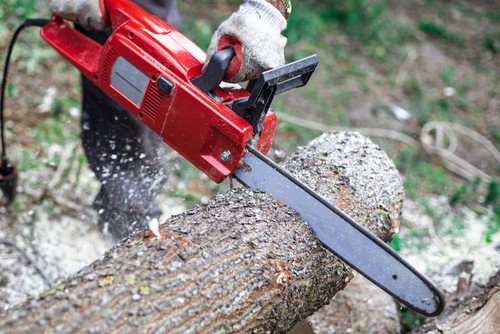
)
(410, 320)
(491, 40)
(492, 226)
(422, 176)
(437, 30)
(492, 201)
(364, 21)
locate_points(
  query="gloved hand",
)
(254, 32)
(90, 14)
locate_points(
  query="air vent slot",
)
(109, 53)
(152, 103)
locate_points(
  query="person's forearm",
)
(280, 5)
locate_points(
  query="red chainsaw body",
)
(146, 66)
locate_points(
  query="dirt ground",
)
(50, 231)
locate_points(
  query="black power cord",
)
(8, 173)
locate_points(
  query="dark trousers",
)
(124, 154)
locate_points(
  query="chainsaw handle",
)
(117, 12)
(78, 49)
(82, 51)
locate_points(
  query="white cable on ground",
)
(433, 140)
(437, 138)
(373, 132)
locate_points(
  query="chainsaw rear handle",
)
(84, 53)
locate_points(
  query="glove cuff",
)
(268, 12)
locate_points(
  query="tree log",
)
(244, 262)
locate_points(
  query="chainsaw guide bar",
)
(348, 240)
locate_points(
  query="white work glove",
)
(254, 32)
(90, 14)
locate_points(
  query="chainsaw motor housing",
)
(147, 66)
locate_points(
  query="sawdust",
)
(59, 242)
(448, 247)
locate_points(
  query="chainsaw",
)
(158, 75)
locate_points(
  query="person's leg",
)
(164, 9)
(124, 154)
(126, 158)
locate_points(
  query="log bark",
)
(242, 263)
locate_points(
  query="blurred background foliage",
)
(434, 60)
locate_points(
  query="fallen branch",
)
(241, 263)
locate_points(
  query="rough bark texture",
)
(242, 263)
